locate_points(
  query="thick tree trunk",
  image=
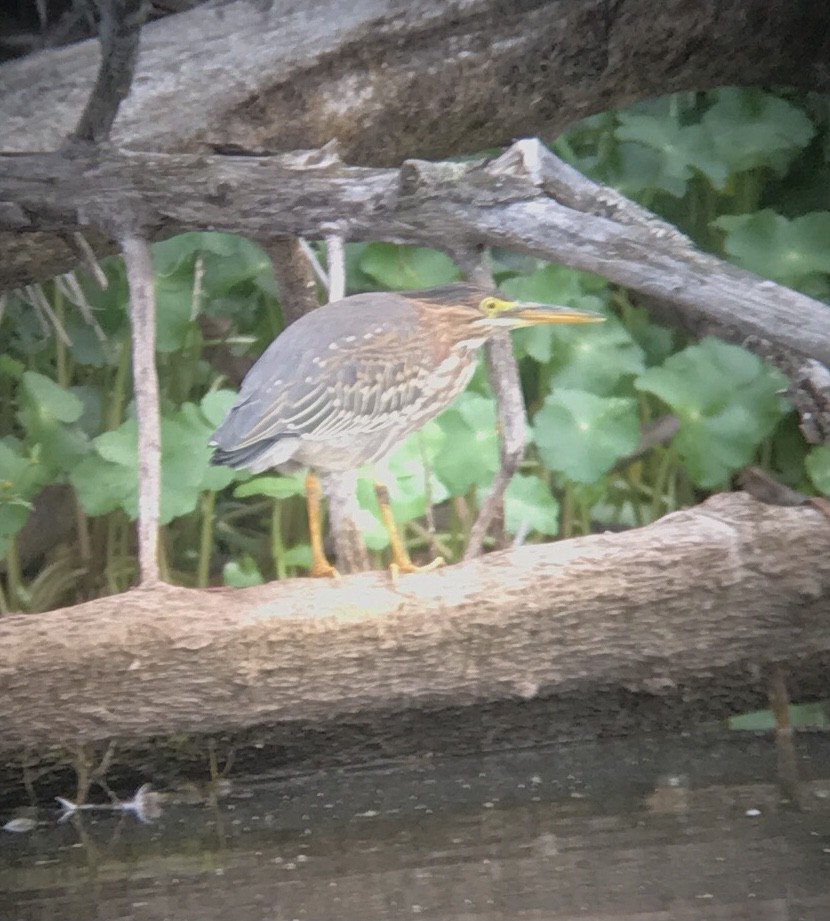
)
(391, 79)
(709, 594)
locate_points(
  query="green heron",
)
(346, 383)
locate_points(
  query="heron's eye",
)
(489, 306)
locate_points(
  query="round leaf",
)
(528, 504)
(405, 267)
(50, 399)
(583, 435)
(727, 402)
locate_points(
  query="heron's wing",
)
(348, 383)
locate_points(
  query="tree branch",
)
(119, 32)
(503, 374)
(447, 205)
(139, 264)
(705, 595)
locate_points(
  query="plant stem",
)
(567, 515)
(117, 402)
(661, 482)
(163, 559)
(208, 505)
(109, 566)
(14, 574)
(60, 349)
(277, 546)
(585, 516)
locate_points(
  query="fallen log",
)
(717, 590)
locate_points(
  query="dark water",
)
(656, 829)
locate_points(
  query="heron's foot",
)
(401, 563)
(406, 566)
(322, 569)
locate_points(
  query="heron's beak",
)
(524, 314)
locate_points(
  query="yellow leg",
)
(400, 556)
(320, 566)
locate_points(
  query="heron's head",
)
(464, 311)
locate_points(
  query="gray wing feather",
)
(325, 382)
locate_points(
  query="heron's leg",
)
(320, 566)
(400, 556)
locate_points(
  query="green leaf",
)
(811, 715)
(103, 487)
(275, 487)
(582, 435)
(670, 150)
(818, 467)
(231, 266)
(108, 478)
(750, 128)
(727, 402)
(470, 453)
(405, 267)
(110, 308)
(789, 453)
(788, 251)
(50, 415)
(299, 555)
(174, 306)
(13, 465)
(408, 475)
(655, 341)
(50, 399)
(87, 346)
(177, 253)
(13, 516)
(528, 503)
(186, 466)
(592, 357)
(11, 367)
(21, 476)
(120, 446)
(230, 261)
(242, 573)
(216, 405)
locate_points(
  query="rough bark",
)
(527, 200)
(392, 78)
(712, 593)
(429, 78)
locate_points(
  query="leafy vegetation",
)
(743, 172)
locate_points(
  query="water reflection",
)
(666, 829)
(145, 805)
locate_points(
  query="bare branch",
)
(89, 259)
(503, 374)
(449, 205)
(319, 272)
(68, 285)
(298, 292)
(33, 295)
(337, 267)
(139, 264)
(119, 32)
